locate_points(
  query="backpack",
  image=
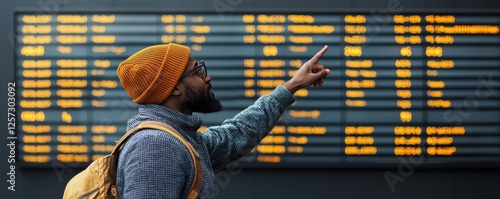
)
(98, 180)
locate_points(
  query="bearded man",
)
(171, 85)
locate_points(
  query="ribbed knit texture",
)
(153, 164)
(150, 75)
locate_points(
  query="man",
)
(172, 85)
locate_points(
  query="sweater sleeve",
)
(155, 165)
(235, 137)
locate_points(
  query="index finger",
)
(319, 54)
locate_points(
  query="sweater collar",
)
(188, 124)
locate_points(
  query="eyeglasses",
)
(200, 66)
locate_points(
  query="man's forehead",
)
(191, 63)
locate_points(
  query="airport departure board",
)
(423, 86)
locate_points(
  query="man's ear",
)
(178, 90)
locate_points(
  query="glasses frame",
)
(200, 66)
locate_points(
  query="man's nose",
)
(208, 79)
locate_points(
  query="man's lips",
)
(210, 90)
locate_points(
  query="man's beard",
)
(202, 102)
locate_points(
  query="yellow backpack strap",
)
(198, 172)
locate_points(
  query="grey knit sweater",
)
(154, 164)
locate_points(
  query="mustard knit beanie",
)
(150, 75)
